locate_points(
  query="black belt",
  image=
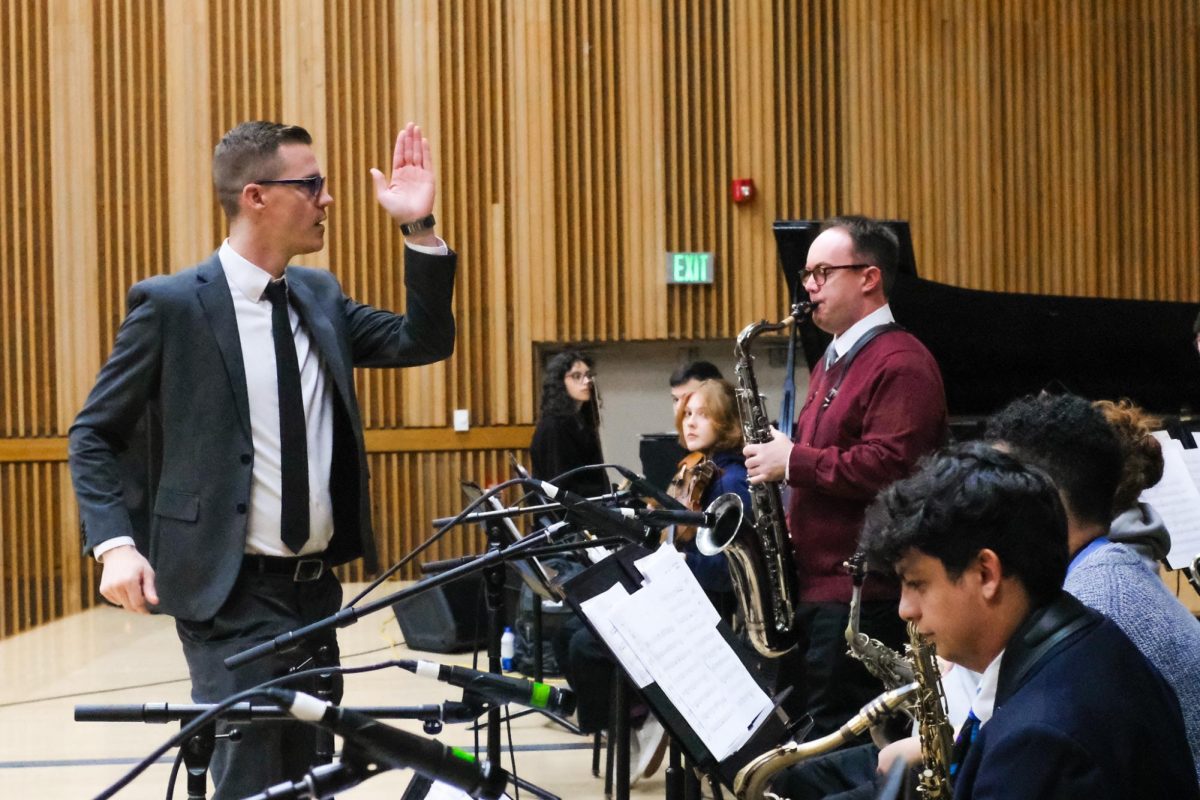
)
(301, 569)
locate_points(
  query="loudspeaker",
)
(451, 618)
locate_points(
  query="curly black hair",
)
(1071, 440)
(556, 401)
(967, 498)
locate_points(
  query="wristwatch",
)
(409, 228)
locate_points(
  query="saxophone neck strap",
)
(842, 365)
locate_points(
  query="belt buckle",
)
(308, 569)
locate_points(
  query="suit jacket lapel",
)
(321, 330)
(213, 293)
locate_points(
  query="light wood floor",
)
(110, 656)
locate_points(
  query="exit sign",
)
(690, 267)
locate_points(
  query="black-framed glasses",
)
(582, 376)
(314, 185)
(820, 273)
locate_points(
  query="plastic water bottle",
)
(507, 641)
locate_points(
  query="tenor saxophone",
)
(760, 555)
(890, 667)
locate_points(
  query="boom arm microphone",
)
(648, 490)
(593, 515)
(498, 688)
(397, 749)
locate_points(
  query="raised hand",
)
(408, 195)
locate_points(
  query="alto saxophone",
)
(937, 737)
(760, 555)
(753, 779)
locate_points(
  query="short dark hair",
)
(699, 370)
(248, 153)
(874, 243)
(968, 498)
(1070, 440)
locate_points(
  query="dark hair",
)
(968, 498)
(1196, 326)
(874, 243)
(1069, 439)
(720, 405)
(1141, 454)
(248, 153)
(699, 370)
(555, 399)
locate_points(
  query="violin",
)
(694, 475)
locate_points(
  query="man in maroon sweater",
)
(875, 405)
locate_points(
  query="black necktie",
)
(293, 441)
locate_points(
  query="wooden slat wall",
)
(1035, 147)
(1049, 147)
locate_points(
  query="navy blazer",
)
(176, 373)
(1080, 713)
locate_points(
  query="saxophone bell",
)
(728, 513)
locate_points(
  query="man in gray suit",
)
(230, 386)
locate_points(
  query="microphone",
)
(394, 748)
(498, 688)
(321, 782)
(646, 489)
(593, 515)
(661, 517)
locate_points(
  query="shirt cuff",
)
(108, 544)
(439, 249)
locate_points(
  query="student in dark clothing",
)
(568, 428)
(1067, 705)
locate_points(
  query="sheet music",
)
(599, 611)
(671, 626)
(1177, 499)
(443, 791)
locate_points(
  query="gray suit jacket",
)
(176, 376)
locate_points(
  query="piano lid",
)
(993, 347)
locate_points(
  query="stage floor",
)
(110, 656)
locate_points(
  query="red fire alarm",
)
(742, 190)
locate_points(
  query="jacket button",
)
(241, 508)
(245, 458)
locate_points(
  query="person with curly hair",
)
(567, 435)
(1072, 442)
(1136, 524)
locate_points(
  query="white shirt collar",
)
(880, 316)
(248, 278)
(984, 704)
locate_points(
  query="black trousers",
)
(826, 682)
(259, 608)
(847, 774)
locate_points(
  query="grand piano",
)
(993, 347)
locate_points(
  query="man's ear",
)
(991, 572)
(251, 197)
(872, 279)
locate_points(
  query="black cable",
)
(512, 755)
(174, 772)
(392, 570)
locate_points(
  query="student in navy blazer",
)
(191, 397)
(1067, 706)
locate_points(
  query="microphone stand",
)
(197, 751)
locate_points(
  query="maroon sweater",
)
(888, 412)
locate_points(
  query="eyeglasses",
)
(582, 376)
(314, 185)
(820, 273)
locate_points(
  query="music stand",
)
(620, 568)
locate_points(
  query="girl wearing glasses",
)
(568, 427)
